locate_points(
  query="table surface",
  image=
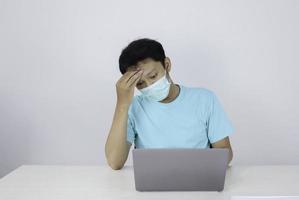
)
(101, 182)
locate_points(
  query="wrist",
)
(122, 105)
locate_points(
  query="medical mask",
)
(158, 90)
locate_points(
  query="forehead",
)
(147, 65)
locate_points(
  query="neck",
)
(174, 91)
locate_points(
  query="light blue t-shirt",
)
(194, 119)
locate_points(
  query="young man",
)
(165, 115)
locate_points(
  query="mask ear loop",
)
(167, 74)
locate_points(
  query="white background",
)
(59, 66)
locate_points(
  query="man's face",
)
(152, 71)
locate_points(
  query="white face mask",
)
(158, 90)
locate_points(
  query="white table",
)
(39, 182)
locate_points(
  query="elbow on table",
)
(113, 162)
(115, 166)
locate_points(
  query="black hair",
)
(139, 50)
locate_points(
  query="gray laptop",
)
(180, 169)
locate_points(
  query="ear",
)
(167, 64)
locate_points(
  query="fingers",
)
(132, 75)
(129, 79)
(128, 75)
(135, 78)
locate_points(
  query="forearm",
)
(116, 144)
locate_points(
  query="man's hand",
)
(125, 86)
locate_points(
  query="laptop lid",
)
(180, 169)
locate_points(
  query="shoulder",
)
(201, 93)
(200, 97)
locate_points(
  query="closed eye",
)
(154, 76)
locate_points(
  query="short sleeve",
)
(218, 124)
(130, 130)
